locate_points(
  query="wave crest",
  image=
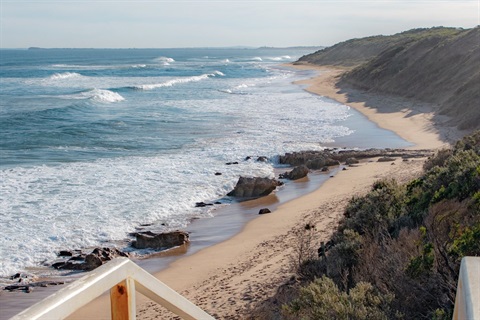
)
(104, 96)
(173, 82)
(282, 58)
(164, 60)
(64, 75)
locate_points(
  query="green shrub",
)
(376, 212)
(322, 299)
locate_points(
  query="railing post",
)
(467, 300)
(122, 300)
(123, 277)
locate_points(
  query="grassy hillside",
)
(438, 65)
(356, 51)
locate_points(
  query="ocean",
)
(97, 142)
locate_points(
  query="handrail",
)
(122, 277)
(467, 300)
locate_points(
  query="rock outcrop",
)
(295, 174)
(87, 262)
(254, 187)
(163, 241)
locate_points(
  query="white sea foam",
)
(257, 59)
(164, 60)
(139, 66)
(281, 58)
(97, 95)
(64, 75)
(106, 96)
(175, 81)
(85, 204)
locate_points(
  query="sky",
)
(220, 23)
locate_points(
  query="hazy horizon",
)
(214, 24)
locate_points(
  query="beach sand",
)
(410, 119)
(232, 277)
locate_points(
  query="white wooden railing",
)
(123, 278)
(467, 300)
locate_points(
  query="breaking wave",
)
(97, 95)
(282, 58)
(105, 96)
(164, 60)
(64, 75)
(173, 82)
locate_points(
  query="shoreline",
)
(249, 267)
(253, 262)
(414, 121)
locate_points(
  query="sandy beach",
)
(232, 277)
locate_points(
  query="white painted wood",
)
(467, 301)
(65, 301)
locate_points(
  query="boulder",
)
(316, 163)
(160, 240)
(262, 159)
(386, 159)
(89, 261)
(92, 261)
(297, 173)
(351, 160)
(254, 187)
(264, 211)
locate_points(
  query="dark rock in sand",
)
(160, 240)
(314, 160)
(254, 187)
(264, 211)
(386, 159)
(297, 173)
(351, 160)
(316, 163)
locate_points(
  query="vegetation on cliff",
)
(396, 253)
(356, 51)
(438, 65)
